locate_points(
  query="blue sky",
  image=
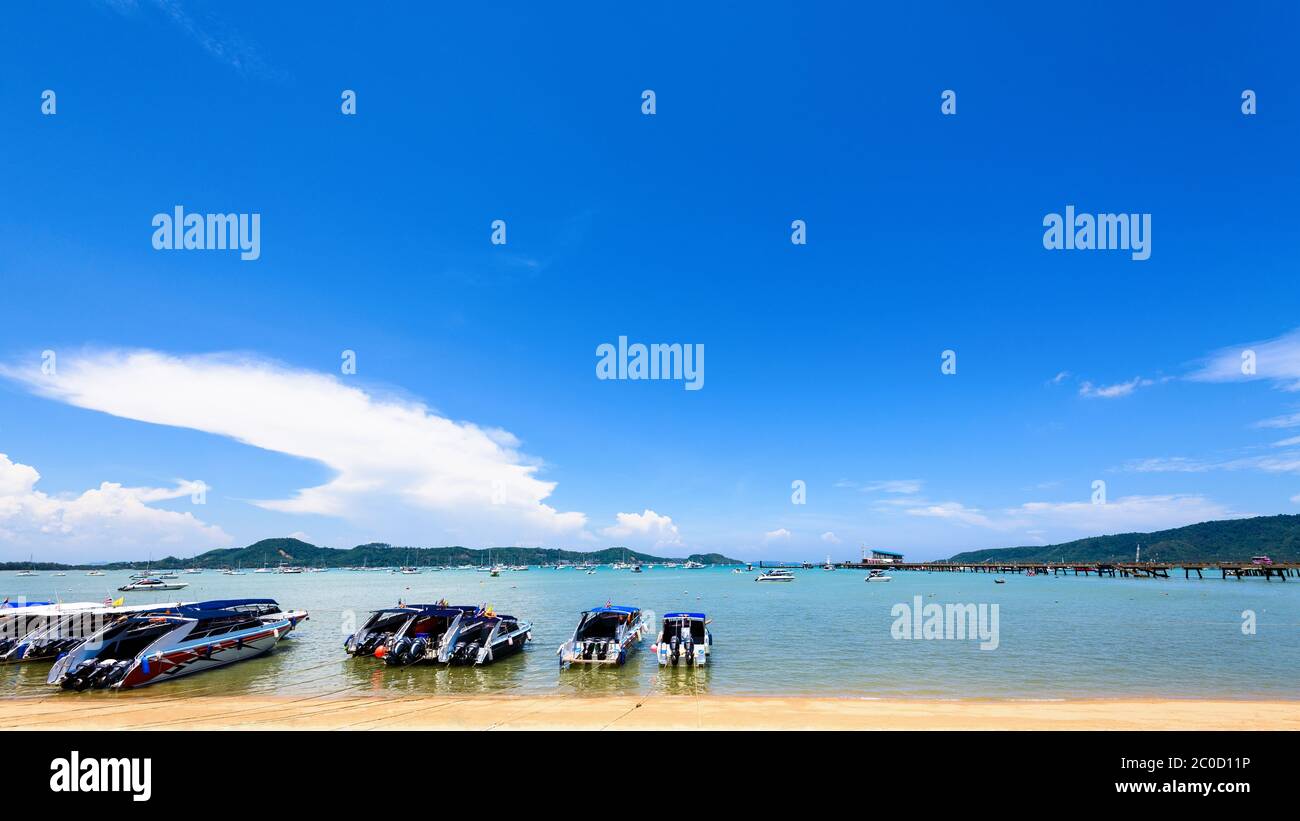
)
(476, 362)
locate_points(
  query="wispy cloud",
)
(780, 534)
(1270, 463)
(898, 486)
(1083, 517)
(1090, 391)
(1276, 360)
(213, 35)
(830, 538)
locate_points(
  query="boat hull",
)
(204, 655)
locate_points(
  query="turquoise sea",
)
(826, 633)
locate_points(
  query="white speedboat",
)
(683, 639)
(776, 574)
(153, 584)
(877, 576)
(95, 573)
(604, 635)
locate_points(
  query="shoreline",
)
(145, 711)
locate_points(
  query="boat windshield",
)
(679, 627)
(601, 625)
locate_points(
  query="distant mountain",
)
(1229, 540)
(274, 552)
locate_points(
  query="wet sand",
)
(157, 711)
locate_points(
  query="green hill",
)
(273, 552)
(1223, 541)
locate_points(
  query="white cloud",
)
(1279, 463)
(1059, 378)
(780, 534)
(1276, 360)
(1091, 391)
(1067, 519)
(110, 521)
(901, 486)
(830, 538)
(1290, 420)
(648, 529)
(398, 467)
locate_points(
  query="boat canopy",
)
(624, 609)
(684, 615)
(17, 604)
(214, 609)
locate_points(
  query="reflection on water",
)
(824, 633)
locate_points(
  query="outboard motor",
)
(588, 649)
(370, 643)
(688, 647)
(674, 645)
(78, 677)
(602, 651)
(418, 648)
(99, 676)
(118, 672)
(397, 653)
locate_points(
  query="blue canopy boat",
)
(174, 641)
(684, 639)
(604, 635)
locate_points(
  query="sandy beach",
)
(152, 711)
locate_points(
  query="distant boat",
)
(95, 573)
(877, 576)
(193, 571)
(29, 571)
(153, 584)
(776, 574)
(999, 581)
(692, 565)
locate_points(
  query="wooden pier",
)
(1135, 570)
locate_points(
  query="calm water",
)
(826, 633)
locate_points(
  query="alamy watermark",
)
(1100, 232)
(678, 361)
(179, 231)
(953, 622)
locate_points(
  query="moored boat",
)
(163, 644)
(605, 635)
(46, 636)
(684, 639)
(440, 632)
(153, 584)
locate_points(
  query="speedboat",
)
(153, 584)
(877, 576)
(683, 639)
(19, 618)
(95, 573)
(408, 571)
(484, 638)
(451, 634)
(46, 636)
(604, 635)
(690, 565)
(164, 644)
(776, 574)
